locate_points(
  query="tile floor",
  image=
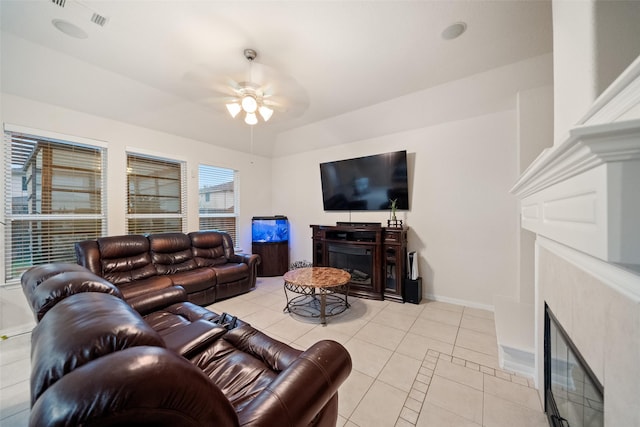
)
(433, 364)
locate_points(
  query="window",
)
(155, 195)
(54, 197)
(217, 199)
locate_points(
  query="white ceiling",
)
(154, 62)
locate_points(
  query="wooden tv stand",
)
(375, 256)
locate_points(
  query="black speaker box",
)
(413, 290)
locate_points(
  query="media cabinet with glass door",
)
(375, 256)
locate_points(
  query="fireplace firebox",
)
(573, 394)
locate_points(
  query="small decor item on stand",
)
(394, 222)
(300, 264)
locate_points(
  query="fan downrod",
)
(250, 54)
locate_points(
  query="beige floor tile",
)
(341, 421)
(20, 419)
(408, 309)
(435, 416)
(502, 413)
(371, 413)
(478, 312)
(262, 319)
(440, 315)
(14, 399)
(403, 423)
(366, 357)
(273, 301)
(322, 333)
(366, 308)
(416, 346)
(393, 319)
(352, 391)
(290, 328)
(479, 324)
(347, 326)
(15, 372)
(384, 336)
(400, 371)
(235, 307)
(477, 341)
(15, 348)
(457, 398)
(476, 357)
(436, 330)
(444, 306)
(512, 392)
(459, 374)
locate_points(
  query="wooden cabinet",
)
(394, 262)
(274, 258)
(374, 255)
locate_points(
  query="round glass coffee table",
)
(319, 292)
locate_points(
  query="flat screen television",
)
(365, 183)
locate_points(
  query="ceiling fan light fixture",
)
(233, 109)
(251, 119)
(265, 112)
(249, 104)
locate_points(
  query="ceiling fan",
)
(256, 94)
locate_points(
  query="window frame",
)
(11, 134)
(181, 215)
(235, 215)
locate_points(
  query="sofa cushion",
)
(140, 287)
(231, 272)
(125, 258)
(208, 248)
(171, 253)
(140, 386)
(82, 328)
(195, 280)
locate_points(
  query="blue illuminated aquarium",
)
(269, 229)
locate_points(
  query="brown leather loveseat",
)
(97, 361)
(202, 262)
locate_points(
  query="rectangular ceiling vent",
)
(97, 18)
(60, 3)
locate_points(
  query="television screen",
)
(365, 183)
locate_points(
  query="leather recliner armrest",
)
(186, 339)
(249, 259)
(155, 300)
(300, 391)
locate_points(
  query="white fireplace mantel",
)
(585, 191)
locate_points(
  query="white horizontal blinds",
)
(54, 197)
(217, 199)
(155, 195)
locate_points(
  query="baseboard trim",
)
(456, 301)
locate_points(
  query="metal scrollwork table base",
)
(319, 292)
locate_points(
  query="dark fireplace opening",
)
(356, 260)
(573, 395)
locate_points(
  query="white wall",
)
(255, 171)
(462, 163)
(593, 42)
(462, 220)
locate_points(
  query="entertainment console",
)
(374, 255)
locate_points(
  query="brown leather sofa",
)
(97, 361)
(202, 262)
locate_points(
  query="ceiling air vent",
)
(60, 3)
(96, 18)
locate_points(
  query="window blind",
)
(156, 195)
(218, 199)
(54, 197)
